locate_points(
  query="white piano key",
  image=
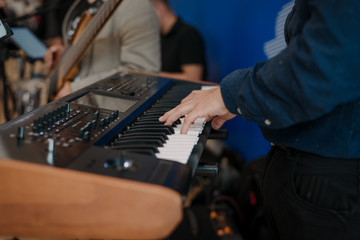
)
(179, 146)
(175, 155)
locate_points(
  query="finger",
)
(187, 98)
(192, 95)
(171, 116)
(166, 115)
(49, 56)
(163, 118)
(208, 118)
(217, 123)
(176, 113)
(188, 121)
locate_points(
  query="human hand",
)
(53, 54)
(206, 104)
(65, 90)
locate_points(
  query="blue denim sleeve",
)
(319, 70)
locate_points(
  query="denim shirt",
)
(308, 96)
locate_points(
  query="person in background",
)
(182, 47)
(306, 101)
(23, 9)
(5, 12)
(50, 25)
(130, 40)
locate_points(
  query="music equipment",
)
(77, 17)
(88, 29)
(98, 164)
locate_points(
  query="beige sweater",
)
(130, 40)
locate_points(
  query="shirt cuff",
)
(230, 89)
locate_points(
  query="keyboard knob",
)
(20, 132)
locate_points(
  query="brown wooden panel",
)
(45, 202)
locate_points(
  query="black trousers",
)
(311, 197)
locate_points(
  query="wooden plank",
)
(46, 202)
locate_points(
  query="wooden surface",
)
(39, 201)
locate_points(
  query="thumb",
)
(217, 123)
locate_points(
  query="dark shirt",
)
(308, 96)
(182, 45)
(51, 19)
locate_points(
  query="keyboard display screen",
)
(105, 102)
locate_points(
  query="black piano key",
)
(154, 120)
(145, 134)
(152, 128)
(124, 142)
(132, 148)
(151, 123)
(165, 103)
(154, 111)
(149, 130)
(156, 115)
(161, 108)
(140, 138)
(140, 151)
(148, 118)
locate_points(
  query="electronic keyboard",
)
(98, 163)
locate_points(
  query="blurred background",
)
(235, 34)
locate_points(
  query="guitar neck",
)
(74, 53)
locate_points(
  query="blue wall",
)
(234, 32)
